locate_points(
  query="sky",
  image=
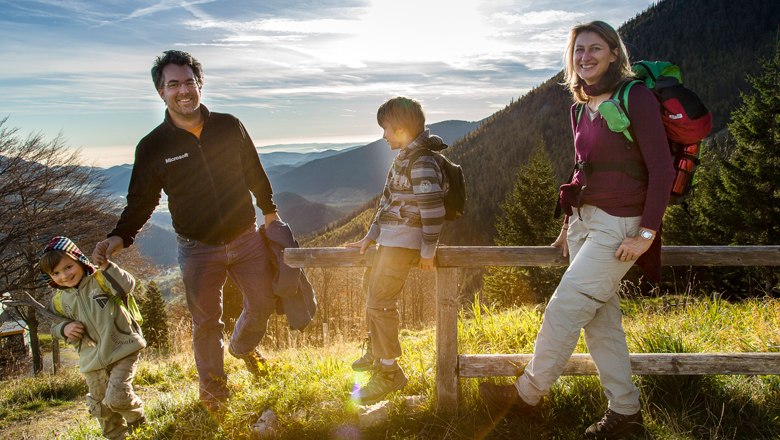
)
(294, 72)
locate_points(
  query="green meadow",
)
(308, 388)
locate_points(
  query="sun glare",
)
(414, 31)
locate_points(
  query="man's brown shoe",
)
(255, 362)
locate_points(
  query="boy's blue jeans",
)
(205, 269)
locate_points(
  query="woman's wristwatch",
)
(647, 235)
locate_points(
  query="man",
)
(207, 165)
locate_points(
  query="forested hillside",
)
(716, 42)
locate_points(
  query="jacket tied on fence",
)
(294, 292)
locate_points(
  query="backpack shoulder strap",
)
(103, 283)
(56, 303)
(621, 96)
(576, 114)
(101, 280)
(421, 152)
(127, 303)
(416, 155)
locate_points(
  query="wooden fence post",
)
(450, 365)
(55, 355)
(447, 338)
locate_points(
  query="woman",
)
(612, 220)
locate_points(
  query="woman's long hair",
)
(618, 70)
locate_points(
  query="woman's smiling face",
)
(592, 57)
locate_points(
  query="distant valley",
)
(311, 189)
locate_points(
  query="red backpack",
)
(686, 120)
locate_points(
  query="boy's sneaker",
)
(616, 425)
(367, 361)
(501, 399)
(385, 380)
(255, 362)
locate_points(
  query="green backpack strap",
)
(621, 96)
(131, 307)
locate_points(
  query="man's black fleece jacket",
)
(207, 180)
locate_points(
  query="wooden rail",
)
(450, 365)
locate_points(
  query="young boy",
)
(108, 340)
(406, 227)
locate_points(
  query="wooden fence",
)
(450, 364)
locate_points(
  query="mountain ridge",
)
(693, 33)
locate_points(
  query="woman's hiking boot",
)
(368, 360)
(385, 380)
(255, 362)
(502, 400)
(615, 425)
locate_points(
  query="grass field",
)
(308, 388)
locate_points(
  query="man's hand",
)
(104, 249)
(633, 247)
(363, 244)
(426, 264)
(73, 331)
(269, 218)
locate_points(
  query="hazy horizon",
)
(293, 72)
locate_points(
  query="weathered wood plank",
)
(530, 256)
(327, 257)
(447, 339)
(486, 365)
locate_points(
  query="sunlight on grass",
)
(309, 388)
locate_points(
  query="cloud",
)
(313, 68)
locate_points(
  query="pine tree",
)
(750, 191)
(155, 326)
(737, 199)
(526, 220)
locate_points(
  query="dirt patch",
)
(51, 423)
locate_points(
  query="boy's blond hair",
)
(402, 113)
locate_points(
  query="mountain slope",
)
(117, 179)
(671, 30)
(304, 216)
(355, 176)
(716, 42)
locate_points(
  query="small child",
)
(406, 227)
(108, 340)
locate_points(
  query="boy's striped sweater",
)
(411, 214)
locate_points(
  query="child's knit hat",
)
(65, 244)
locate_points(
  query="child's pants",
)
(386, 278)
(587, 298)
(111, 398)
